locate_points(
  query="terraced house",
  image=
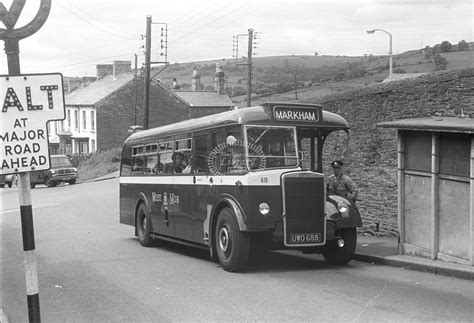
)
(99, 115)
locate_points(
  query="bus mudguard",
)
(229, 201)
(343, 212)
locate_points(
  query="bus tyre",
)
(336, 255)
(143, 227)
(232, 245)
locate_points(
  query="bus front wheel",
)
(143, 227)
(341, 255)
(232, 245)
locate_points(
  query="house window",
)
(76, 119)
(92, 145)
(84, 123)
(92, 121)
(69, 118)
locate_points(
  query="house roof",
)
(204, 98)
(434, 124)
(107, 85)
(98, 90)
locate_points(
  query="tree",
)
(446, 46)
(462, 45)
(440, 62)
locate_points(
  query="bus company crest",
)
(28, 102)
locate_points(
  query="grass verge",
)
(99, 164)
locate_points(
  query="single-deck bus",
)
(230, 180)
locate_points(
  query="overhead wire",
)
(90, 23)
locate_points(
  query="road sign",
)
(27, 103)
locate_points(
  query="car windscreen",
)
(60, 161)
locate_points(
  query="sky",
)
(79, 34)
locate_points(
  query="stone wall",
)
(370, 153)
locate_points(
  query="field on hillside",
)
(315, 76)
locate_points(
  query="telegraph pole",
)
(235, 49)
(249, 63)
(296, 88)
(135, 101)
(147, 73)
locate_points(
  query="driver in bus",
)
(340, 184)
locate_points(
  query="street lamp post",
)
(390, 52)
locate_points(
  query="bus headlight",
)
(264, 208)
(343, 208)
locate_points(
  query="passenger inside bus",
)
(179, 162)
(158, 169)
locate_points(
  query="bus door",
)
(161, 211)
(180, 195)
(200, 207)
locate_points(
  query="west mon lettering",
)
(296, 115)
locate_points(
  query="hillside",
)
(314, 76)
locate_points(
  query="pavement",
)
(384, 251)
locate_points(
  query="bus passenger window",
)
(137, 160)
(151, 159)
(126, 161)
(201, 152)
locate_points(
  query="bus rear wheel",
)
(232, 245)
(336, 255)
(143, 227)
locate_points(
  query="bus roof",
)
(301, 115)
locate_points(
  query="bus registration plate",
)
(301, 238)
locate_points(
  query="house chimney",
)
(219, 79)
(122, 67)
(196, 80)
(104, 70)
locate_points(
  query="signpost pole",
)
(11, 38)
(26, 213)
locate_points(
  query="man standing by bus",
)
(340, 184)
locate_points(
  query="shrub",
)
(99, 164)
(399, 70)
(440, 62)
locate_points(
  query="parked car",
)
(7, 179)
(61, 171)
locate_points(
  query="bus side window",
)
(126, 166)
(138, 161)
(151, 159)
(200, 154)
